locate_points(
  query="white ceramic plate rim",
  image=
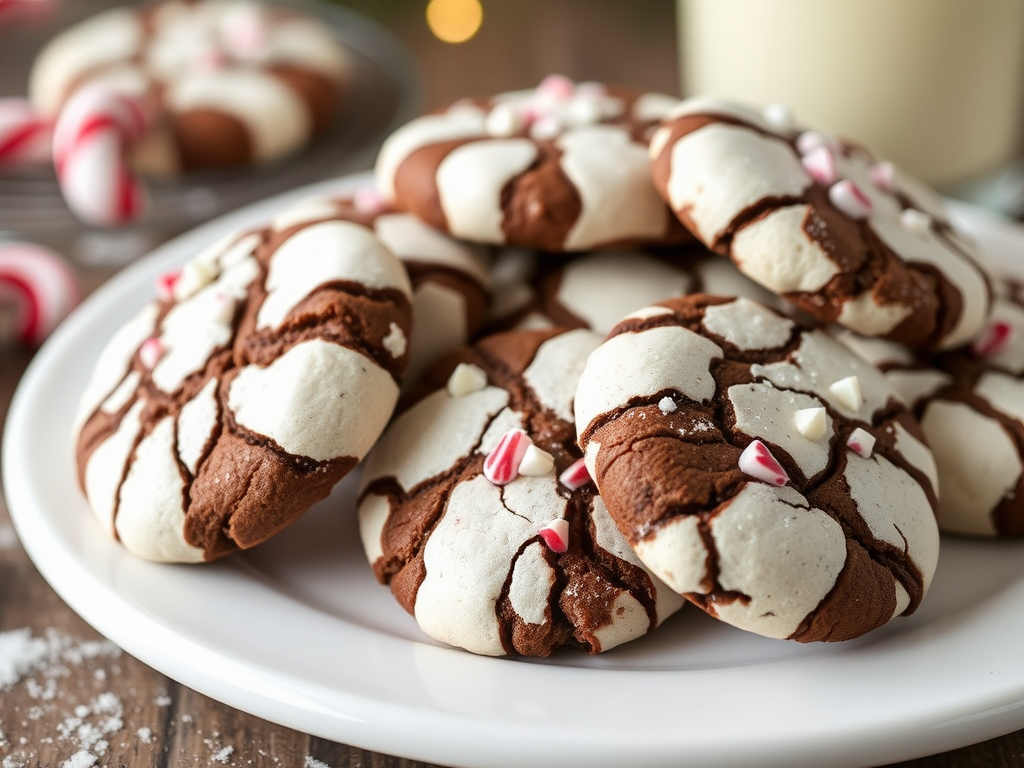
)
(273, 635)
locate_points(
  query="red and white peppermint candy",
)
(820, 163)
(25, 136)
(861, 442)
(758, 462)
(556, 535)
(883, 176)
(35, 10)
(576, 475)
(150, 352)
(92, 137)
(502, 464)
(993, 339)
(40, 285)
(850, 199)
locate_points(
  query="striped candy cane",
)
(40, 286)
(15, 10)
(91, 139)
(25, 137)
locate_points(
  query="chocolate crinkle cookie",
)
(970, 403)
(476, 509)
(258, 378)
(562, 167)
(847, 238)
(760, 469)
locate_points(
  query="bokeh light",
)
(454, 21)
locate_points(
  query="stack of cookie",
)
(598, 349)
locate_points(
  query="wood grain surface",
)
(79, 701)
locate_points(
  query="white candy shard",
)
(466, 379)
(395, 342)
(847, 391)
(916, 222)
(811, 422)
(861, 442)
(536, 462)
(778, 116)
(667, 405)
(194, 275)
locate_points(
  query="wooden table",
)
(87, 702)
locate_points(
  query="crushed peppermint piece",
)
(150, 352)
(165, 285)
(820, 163)
(995, 337)
(916, 222)
(502, 464)
(504, 120)
(778, 116)
(811, 422)
(466, 379)
(194, 276)
(369, 200)
(850, 199)
(861, 442)
(848, 392)
(556, 535)
(536, 462)
(808, 141)
(395, 342)
(667, 405)
(758, 462)
(556, 88)
(576, 475)
(545, 127)
(883, 175)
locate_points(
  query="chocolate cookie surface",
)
(970, 403)
(476, 511)
(225, 408)
(760, 469)
(821, 222)
(563, 167)
(229, 82)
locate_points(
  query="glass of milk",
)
(935, 86)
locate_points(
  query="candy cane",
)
(30, 9)
(25, 137)
(42, 287)
(91, 139)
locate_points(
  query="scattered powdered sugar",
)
(77, 722)
(48, 656)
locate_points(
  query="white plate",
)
(299, 633)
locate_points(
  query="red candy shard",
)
(993, 340)
(758, 462)
(576, 475)
(820, 163)
(502, 464)
(556, 535)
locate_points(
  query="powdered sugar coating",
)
(449, 278)
(521, 567)
(728, 501)
(211, 424)
(814, 219)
